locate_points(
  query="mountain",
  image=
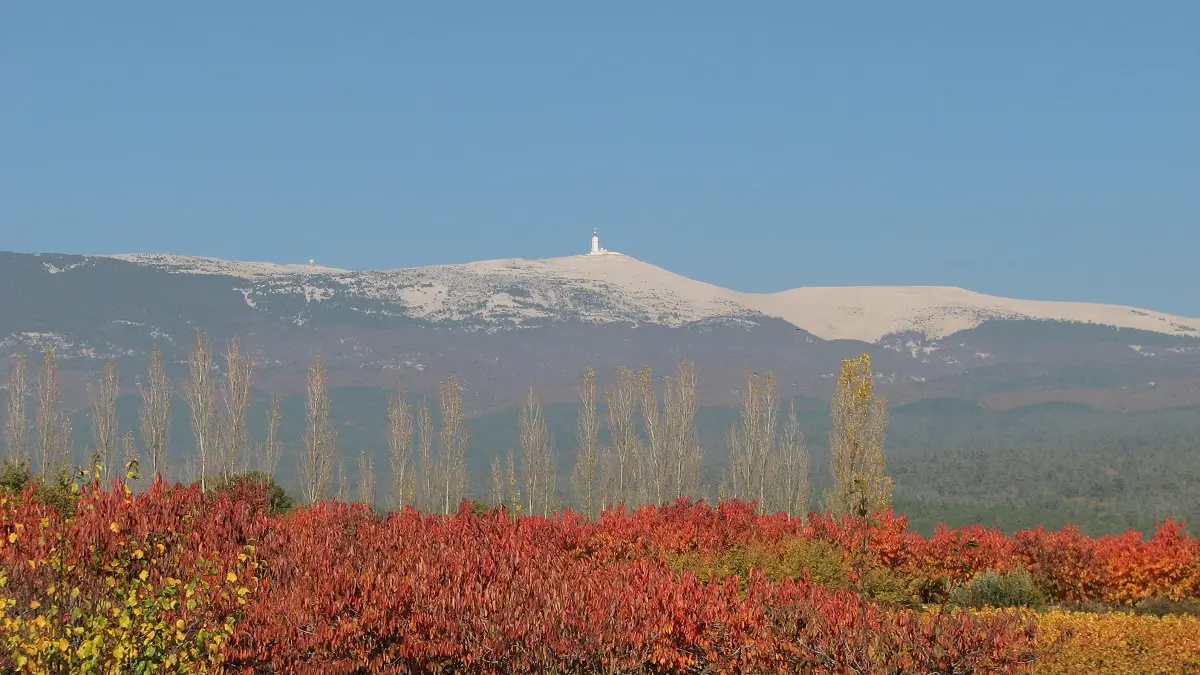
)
(1007, 412)
(503, 325)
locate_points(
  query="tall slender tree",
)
(427, 480)
(682, 453)
(272, 449)
(320, 437)
(752, 443)
(51, 422)
(155, 413)
(537, 457)
(652, 460)
(514, 488)
(452, 464)
(587, 458)
(343, 486)
(400, 438)
(366, 479)
(105, 433)
(795, 471)
(621, 397)
(16, 427)
(204, 414)
(498, 496)
(856, 437)
(236, 393)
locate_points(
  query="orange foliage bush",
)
(1068, 566)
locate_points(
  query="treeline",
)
(653, 454)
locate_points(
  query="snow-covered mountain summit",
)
(609, 287)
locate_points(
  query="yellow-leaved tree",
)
(857, 464)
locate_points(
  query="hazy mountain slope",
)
(869, 313)
(622, 288)
(503, 325)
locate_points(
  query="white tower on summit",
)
(596, 250)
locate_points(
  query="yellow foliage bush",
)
(1116, 642)
(111, 609)
(822, 561)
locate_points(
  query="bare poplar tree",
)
(682, 454)
(320, 437)
(16, 428)
(65, 456)
(400, 438)
(236, 392)
(272, 449)
(155, 413)
(366, 477)
(859, 423)
(607, 492)
(537, 457)
(514, 489)
(105, 433)
(343, 487)
(651, 464)
(453, 461)
(49, 419)
(427, 480)
(739, 464)
(795, 474)
(497, 498)
(752, 443)
(204, 415)
(621, 397)
(587, 431)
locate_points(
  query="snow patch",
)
(52, 269)
(246, 296)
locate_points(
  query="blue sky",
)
(1032, 149)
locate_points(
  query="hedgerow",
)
(177, 580)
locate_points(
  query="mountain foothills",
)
(983, 390)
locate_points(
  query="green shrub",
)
(55, 491)
(999, 589)
(481, 508)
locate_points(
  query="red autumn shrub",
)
(348, 592)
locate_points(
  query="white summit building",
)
(596, 250)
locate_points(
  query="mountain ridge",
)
(501, 326)
(638, 290)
